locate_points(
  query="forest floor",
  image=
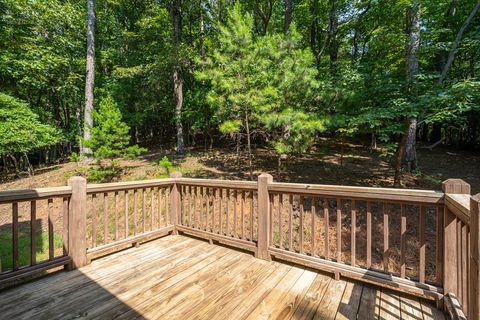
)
(322, 165)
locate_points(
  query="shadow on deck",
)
(178, 277)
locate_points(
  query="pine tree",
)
(110, 136)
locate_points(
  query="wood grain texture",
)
(178, 277)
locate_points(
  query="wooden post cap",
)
(175, 175)
(457, 186)
(265, 177)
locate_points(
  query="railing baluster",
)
(135, 195)
(125, 212)
(220, 211)
(369, 234)
(15, 236)
(465, 262)
(207, 216)
(459, 260)
(94, 220)
(403, 240)
(326, 220)
(33, 232)
(439, 244)
(105, 218)
(290, 217)
(159, 193)
(313, 205)
(421, 268)
(51, 253)
(168, 219)
(235, 214)
(228, 213)
(116, 215)
(152, 199)
(195, 199)
(251, 216)
(386, 233)
(243, 213)
(144, 209)
(201, 207)
(280, 207)
(301, 223)
(65, 226)
(353, 232)
(339, 230)
(271, 199)
(214, 203)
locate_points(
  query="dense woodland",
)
(100, 77)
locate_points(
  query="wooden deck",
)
(178, 277)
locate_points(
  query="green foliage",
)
(103, 173)
(166, 164)
(74, 157)
(21, 131)
(110, 136)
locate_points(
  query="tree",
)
(233, 69)
(90, 76)
(110, 136)
(21, 131)
(176, 12)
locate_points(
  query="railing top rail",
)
(118, 186)
(234, 184)
(10, 196)
(390, 194)
(459, 205)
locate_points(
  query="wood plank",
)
(326, 233)
(330, 302)
(285, 307)
(268, 304)
(389, 305)
(348, 307)
(116, 215)
(410, 308)
(125, 213)
(233, 292)
(280, 231)
(368, 303)
(314, 227)
(313, 297)
(430, 312)
(290, 217)
(144, 210)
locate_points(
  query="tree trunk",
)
(249, 146)
(334, 43)
(288, 15)
(413, 46)
(90, 75)
(176, 12)
(398, 163)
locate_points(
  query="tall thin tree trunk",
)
(288, 15)
(176, 11)
(249, 146)
(90, 76)
(408, 140)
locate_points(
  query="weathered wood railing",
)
(122, 214)
(422, 242)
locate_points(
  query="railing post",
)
(77, 249)
(455, 186)
(474, 281)
(263, 216)
(175, 200)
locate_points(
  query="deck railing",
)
(425, 243)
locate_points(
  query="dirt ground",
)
(323, 165)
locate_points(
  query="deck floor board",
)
(178, 277)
